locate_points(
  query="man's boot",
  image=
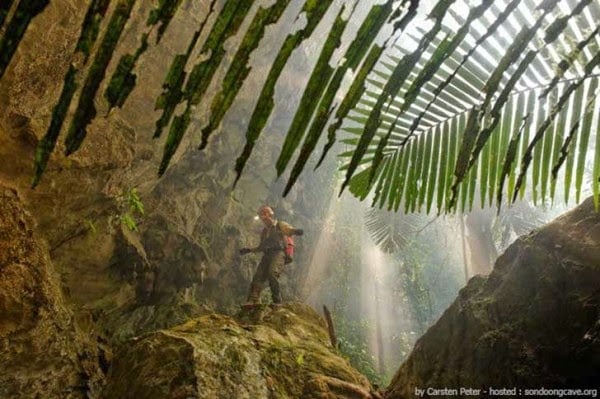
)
(254, 295)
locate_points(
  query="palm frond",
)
(488, 122)
(478, 101)
(390, 230)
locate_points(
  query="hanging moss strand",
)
(86, 111)
(162, 15)
(48, 142)
(172, 93)
(315, 10)
(239, 69)
(25, 12)
(87, 38)
(321, 73)
(4, 9)
(355, 54)
(123, 79)
(91, 27)
(178, 128)
(227, 24)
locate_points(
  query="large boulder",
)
(42, 353)
(534, 322)
(267, 353)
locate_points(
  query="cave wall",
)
(183, 256)
(42, 351)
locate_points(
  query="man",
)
(273, 244)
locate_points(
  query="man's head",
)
(266, 214)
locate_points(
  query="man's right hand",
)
(245, 251)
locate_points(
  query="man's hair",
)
(265, 208)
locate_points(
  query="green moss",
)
(86, 111)
(239, 70)
(226, 25)
(367, 33)
(314, 13)
(47, 144)
(163, 14)
(173, 84)
(25, 12)
(87, 37)
(4, 8)
(322, 115)
(172, 92)
(279, 360)
(178, 128)
(351, 98)
(321, 73)
(91, 26)
(123, 79)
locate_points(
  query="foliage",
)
(351, 344)
(86, 110)
(429, 125)
(314, 12)
(131, 209)
(15, 29)
(87, 38)
(227, 24)
(424, 139)
(390, 231)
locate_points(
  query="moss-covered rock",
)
(533, 322)
(286, 354)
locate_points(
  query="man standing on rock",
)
(274, 244)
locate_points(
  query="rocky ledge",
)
(282, 352)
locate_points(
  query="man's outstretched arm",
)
(289, 230)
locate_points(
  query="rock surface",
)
(265, 353)
(534, 322)
(185, 249)
(42, 353)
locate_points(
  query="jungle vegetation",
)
(502, 93)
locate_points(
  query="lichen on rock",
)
(283, 354)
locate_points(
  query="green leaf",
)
(86, 110)
(172, 93)
(586, 128)
(59, 112)
(264, 105)
(16, 27)
(239, 68)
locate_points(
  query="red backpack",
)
(288, 242)
(289, 248)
